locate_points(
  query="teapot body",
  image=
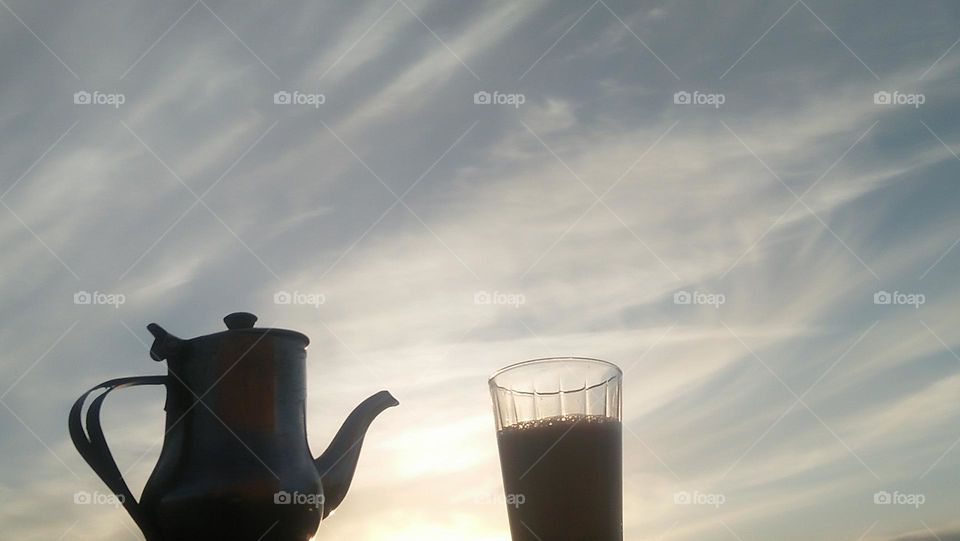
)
(235, 462)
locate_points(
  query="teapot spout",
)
(339, 462)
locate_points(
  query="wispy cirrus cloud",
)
(797, 398)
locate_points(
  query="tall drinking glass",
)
(560, 441)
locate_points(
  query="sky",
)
(750, 207)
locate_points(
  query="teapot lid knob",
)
(240, 320)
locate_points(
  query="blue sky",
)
(788, 199)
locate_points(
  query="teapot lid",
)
(245, 321)
(240, 320)
(166, 345)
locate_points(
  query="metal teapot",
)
(235, 463)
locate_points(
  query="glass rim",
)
(618, 373)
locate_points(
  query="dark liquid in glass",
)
(563, 479)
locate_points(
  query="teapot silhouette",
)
(235, 463)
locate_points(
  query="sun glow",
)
(429, 532)
(463, 531)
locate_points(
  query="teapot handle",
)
(92, 444)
